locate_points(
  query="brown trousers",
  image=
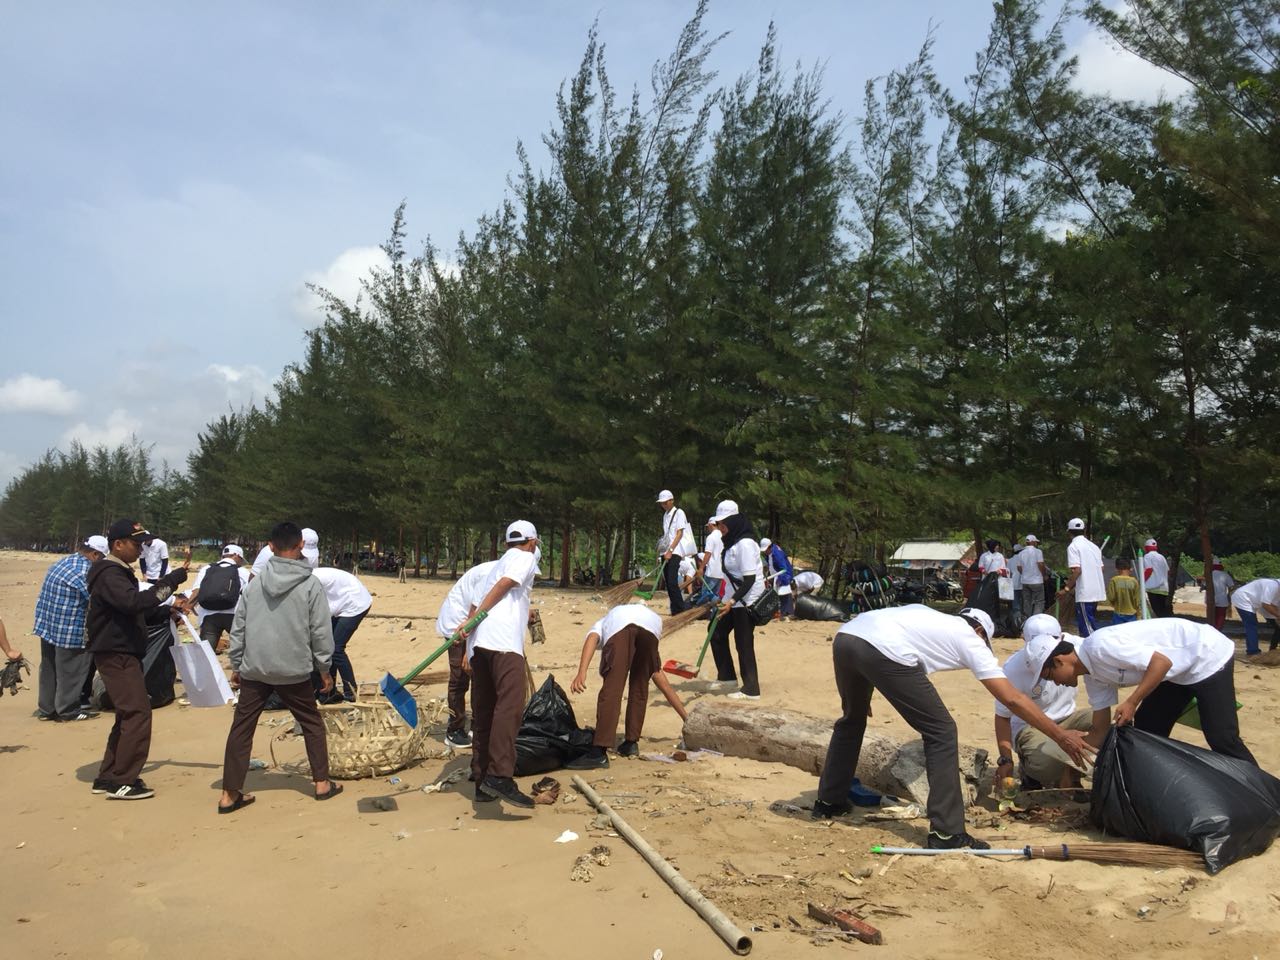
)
(497, 705)
(300, 698)
(130, 739)
(628, 660)
(459, 683)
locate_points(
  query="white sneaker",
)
(722, 686)
(739, 695)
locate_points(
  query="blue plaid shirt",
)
(63, 602)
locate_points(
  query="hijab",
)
(737, 527)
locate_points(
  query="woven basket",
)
(369, 739)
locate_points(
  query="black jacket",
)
(117, 608)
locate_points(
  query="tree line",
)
(979, 310)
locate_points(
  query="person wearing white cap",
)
(1040, 766)
(310, 553)
(893, 651)
(745, 573)
(349, 602)
(216, 592)
(1223, 584)
(1030, 564)
(463, 597)
(1167, 662)
(59, 623)
(1155, 575)
(1258, 598)
(710, 569)
(778, 568)
(1087, 579)
(495, 651)
(154, 561)
(677, 542)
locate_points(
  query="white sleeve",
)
(1101, 695)
(981, 661)
(516, 565)
(598, 627)
(1073, 555)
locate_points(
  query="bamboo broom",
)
(1121, 854)
(680, 620)
(626, 590)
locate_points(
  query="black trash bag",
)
(1150, 788)
(549, 735)
(809, 607)
(159, 671)
(986, 595)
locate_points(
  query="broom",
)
(626, 590)
(690, 671)
(680, 620)
(1121, 854)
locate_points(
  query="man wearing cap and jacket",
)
(495, 650)
(677, 542)
(60, 613)
(226, 582)
(1155, 576)
(1087, 581)
(117, 638)
(893, 651)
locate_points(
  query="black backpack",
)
(220, 588)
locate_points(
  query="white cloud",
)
(120, 426)
(1105, 68)
(342, 278)
(28, 394)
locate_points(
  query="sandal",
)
(333, 791)
(241, 801)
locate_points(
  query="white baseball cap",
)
(310, 546)
(1151, 543)
(1038, 649)
(521, 531)
(1040, 624)
(665, 495)
(1032, 538)
(765, 544)
(233, 550)
(99, 543)
(982, 619)
(724, 510)
(1075, 523)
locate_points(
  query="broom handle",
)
(966, 851)
(468, 627)
(707, 642)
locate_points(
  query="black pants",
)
(671, 575)
(744, 638)
(1161, 605)
(860, 669)
(1216, 699)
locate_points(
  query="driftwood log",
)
(776, 735)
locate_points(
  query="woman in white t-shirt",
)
(744, 576)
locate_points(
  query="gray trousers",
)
(62, 674)
(1032, 599)
(860, 669)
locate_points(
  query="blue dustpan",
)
(400, 698)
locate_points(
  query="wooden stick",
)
(848, 922)
(738, 941)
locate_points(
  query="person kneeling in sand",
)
(281, 632)
(628, 640)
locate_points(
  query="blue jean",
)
(1123, 617)
(1249, 619)
(1087, 618)
(343, 629)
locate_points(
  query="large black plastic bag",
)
(549, 735)
(1148, 787)
(820, 608)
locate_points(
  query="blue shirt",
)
(779, 563)
(63, 601)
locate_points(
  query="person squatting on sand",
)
(280, 634)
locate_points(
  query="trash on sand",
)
(401, 835)
(546, 790)
(658, 757)
(393, 779)
(445, 781)
(905, 811)
(567, 837)
(256, 764)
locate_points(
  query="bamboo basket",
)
(368, 738)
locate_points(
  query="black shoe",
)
(960, 841)
(829, 811)
(131, 791)
(593, 759)
(44, 716)
(102, 786)
(629, 748)
(458, 738)
(504, 788)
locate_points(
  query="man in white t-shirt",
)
(495, 651)
(1167, 662)
(893, 651)
(709, 567)
(1087, 580)
(1032, 571)
(1223, 584)
(1040, 767)
(154, 559)
(1257, 598)
(349, 602)
(807, 581)
(462, 597)
(677, 542)
(627, 637)
(1155, 574)
(216, 600)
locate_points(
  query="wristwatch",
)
(1004, 761)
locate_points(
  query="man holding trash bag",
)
(893, 650)
(1167, 662)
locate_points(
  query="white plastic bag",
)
(202, 677)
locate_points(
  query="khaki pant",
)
(1031, 743)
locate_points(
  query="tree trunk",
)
(566, 550)
(625, 570)
(417, 552)
(776, 735)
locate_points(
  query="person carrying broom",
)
(676, 544)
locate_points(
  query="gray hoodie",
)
(281, 631)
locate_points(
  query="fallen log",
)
(777, 735)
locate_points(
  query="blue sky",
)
(175, 173)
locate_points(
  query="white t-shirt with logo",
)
(1091, 586)
(673, 522)
(919, 635)
(742, 560)
(626, 615)
(808, 582)
(1158, 582)
(714, 548)
(503, 630)
(201, 612)
(152, 555)
(462, 596)
(1118, 655)
(1255, 593)
(1054, 700)
(347, 596)
(1028, 561)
